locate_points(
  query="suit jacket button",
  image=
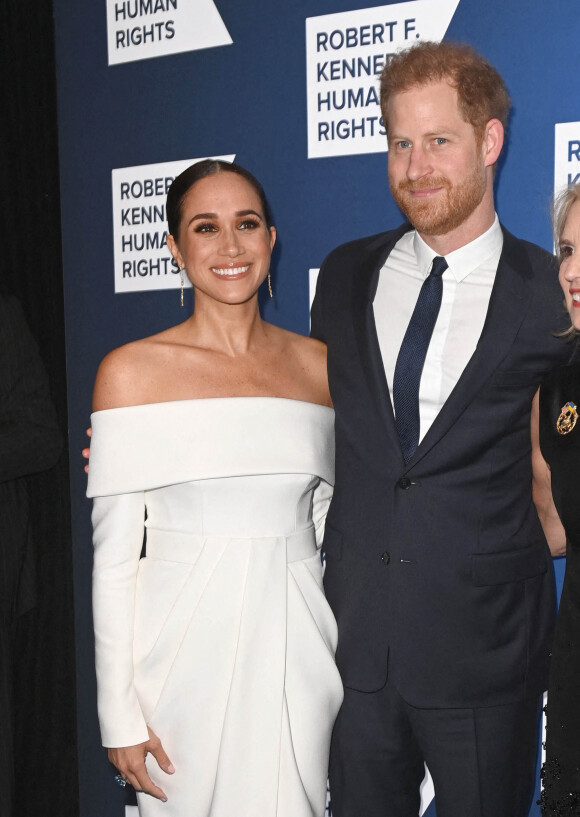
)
(386, 558)
(404, 483)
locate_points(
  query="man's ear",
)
(493, 137)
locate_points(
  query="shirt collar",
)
(466, 259)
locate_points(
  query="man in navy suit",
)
(437, 567)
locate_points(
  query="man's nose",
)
(419, 163)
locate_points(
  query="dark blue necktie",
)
(411, 358)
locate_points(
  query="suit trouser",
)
(482, 760)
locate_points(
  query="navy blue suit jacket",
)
(438, 571)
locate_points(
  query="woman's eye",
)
(565, 251)
(205, 227)
(249, 224)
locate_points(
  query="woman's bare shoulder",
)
(310, 349)
(124, 374)
(306, 361)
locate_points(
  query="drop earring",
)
(181, 276)
(270, 286)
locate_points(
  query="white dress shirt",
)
(467, 285)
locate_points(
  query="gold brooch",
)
(567, 419)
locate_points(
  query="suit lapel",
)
(363, 293)
(508, 305)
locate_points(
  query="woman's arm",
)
(118, 523)
(542, 489)
(118, 530)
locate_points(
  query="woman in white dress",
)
(217, 689)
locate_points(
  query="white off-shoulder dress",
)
(220, 637)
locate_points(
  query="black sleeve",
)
(30, 440)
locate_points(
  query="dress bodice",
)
(142, 448)
(562, 451)
(240, 466)
(257, 505)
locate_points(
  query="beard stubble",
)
(435, 218)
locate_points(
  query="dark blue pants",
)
(483, 760)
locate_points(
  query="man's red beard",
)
(451, 208)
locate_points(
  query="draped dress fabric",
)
(219, 637)
(561, 772)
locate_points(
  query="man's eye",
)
(440, 140)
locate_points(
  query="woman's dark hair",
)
(183, 183)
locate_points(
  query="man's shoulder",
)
(536, 255)
(360, 247)
(534, 270)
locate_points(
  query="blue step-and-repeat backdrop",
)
(288, 88)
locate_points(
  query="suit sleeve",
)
(118, 524)
(30, 440)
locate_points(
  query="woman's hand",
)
(130, 761)
(86, 451)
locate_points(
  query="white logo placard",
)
(142, 29)
(142, 259)
(345, 54)
(566, 154)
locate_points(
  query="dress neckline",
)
(198, 400)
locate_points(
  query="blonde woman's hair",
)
(561, 207)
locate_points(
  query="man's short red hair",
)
(481, 90)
